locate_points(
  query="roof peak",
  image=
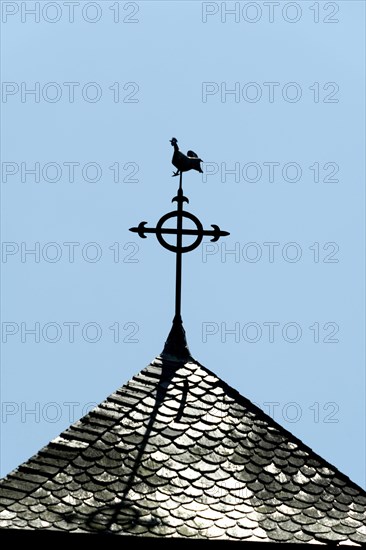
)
(176, 452)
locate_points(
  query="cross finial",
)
(176, 343)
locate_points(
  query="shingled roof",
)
(176, 452)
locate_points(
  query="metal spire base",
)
(176, 347)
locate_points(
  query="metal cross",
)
(179, 231)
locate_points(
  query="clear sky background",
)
(293, 131)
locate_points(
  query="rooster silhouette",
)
(183, 162)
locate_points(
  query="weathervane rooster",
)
(183, 162)
(176, 344)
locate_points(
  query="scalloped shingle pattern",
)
(176, 452)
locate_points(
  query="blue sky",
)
(271, 97)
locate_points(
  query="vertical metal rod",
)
(178, 275)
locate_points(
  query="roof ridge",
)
(281, 428)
